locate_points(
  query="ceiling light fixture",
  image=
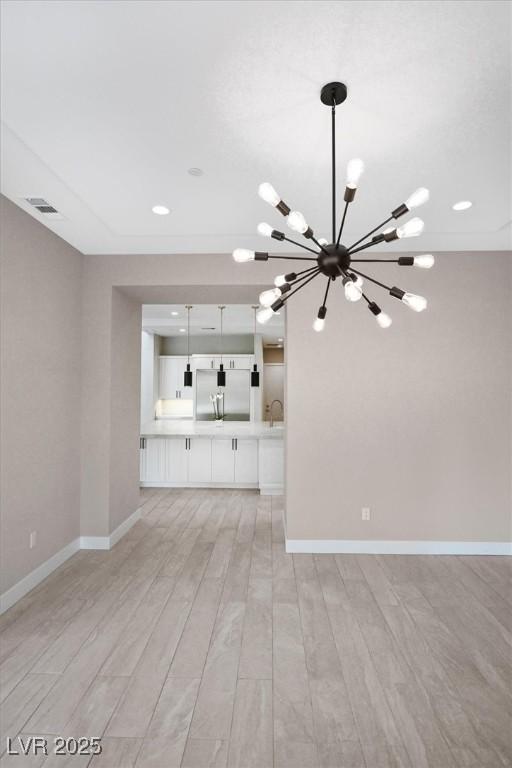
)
(183, 330)
(221, 373)
(187, 375)
(175, 314)
(255, 374)
(462, 205)
(161, 210)
(334, 260)
(195, 171)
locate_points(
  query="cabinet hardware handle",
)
(236, 443)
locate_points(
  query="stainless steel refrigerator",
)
(237, 395)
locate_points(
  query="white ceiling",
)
(107, 104)
(237, 319)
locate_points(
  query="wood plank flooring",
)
(197, 641)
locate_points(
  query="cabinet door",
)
(167, 380)
(201, 363)
(246, 461)
(223, 461)
(199, 460)
(142, 461)
(155, 459)
(177, 460)
(241, 363)
(271, 463)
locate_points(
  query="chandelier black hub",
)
(333, 93)
(334, 260)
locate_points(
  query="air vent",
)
(44, 207)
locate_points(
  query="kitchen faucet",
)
(271, 414)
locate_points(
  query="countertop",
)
(190, 428)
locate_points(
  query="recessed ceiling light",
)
(183, 330)
(280, 339)
(195, 171)
(462, 205)
(160, 210)
(175, 314)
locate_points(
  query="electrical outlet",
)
(33, 539)
(365, 513)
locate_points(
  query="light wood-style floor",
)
(198, 642)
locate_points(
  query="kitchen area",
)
(212, 398)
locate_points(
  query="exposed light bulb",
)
(411, 228)
(322, 241)
(383, 320)
(426, 261)
(280, 280)
(267, 193)
(415, 302)
(462, 205)
(267, 298)
(352, 291)
(419, 197)
(242, 255)
(318, 324)
(297, 222)
(264, 315)
(265, 230)
(161, 210)
(355, 168)
(358, 282)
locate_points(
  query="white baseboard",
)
(40, 573)
(166, 484)
(271, 490)
(35, 577)
(351, 546)
(107, 542)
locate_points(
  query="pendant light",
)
(187, 376)
(255, 374)
(334, 260)
(221, 373)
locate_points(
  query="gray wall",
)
(40, 393)
(413, 421)
(236, 344)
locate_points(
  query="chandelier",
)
(334, 260)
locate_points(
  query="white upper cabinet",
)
(171, 387)
(201, 362)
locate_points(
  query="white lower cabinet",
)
(246, 461)
(177, 461)
(271, 466)
(223, 461)
(199, 460)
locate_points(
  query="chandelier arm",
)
(305, 282)
(333, 146)
(289, 240)
(371, 279)
(320, 246)
(292, 258)
(329, 281)
(303, 272)
(342, 223)
(374, 261)
(371, 232)
(364, 246)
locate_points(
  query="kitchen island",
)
(208, 454)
